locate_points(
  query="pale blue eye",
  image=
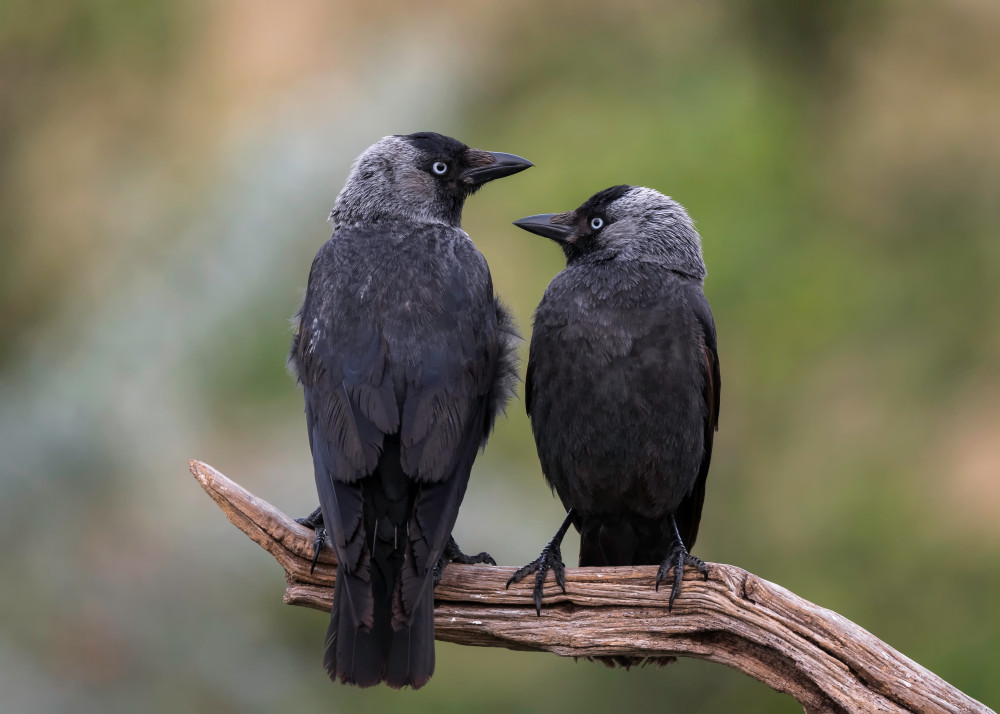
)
(440, 168)
(596, 223)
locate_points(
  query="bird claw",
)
(550, 559)
(453, 554)
(477, 559)
(520, 573)
(677, 559)
(315, 521)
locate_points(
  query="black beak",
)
(542, 225)
(501, 165)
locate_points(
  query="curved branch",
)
(824, 660)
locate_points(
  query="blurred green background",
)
(166, 169)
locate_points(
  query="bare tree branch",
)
(825, 661)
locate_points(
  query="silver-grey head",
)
(625, 223)
(423, 177)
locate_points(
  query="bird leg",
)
(453, 554)
(550, 559)
(676, 559)
(315, 521)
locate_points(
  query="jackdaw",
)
(623, 384)
(406, 357)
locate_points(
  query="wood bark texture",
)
(825, 661)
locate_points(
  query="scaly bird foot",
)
(677, 559)
(315, 521)
(550, 559)
(453, 554)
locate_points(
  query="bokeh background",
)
(166, 169)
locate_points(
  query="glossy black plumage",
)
(406, 357)
(623, 379)
(620, 394)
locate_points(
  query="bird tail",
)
(400, 655)
(621, 542)
(411, 651)
(607, 544)
(636, 541)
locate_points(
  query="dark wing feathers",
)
(688, 514)
(350, 407)
(432, 521)
(455, 386)
(463, 410)
(369, 389)
(713, 380)
(528, 385)
(349, 398)
(342, 505)
(441, 398)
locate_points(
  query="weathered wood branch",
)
(825, 661)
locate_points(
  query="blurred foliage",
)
(165, 169)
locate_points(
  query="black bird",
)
(623, 383)
(406, 357)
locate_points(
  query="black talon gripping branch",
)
(550, 559)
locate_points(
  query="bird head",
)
(424, 177)
(625, 223)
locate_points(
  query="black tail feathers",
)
(629, 541)
(602, 545)
(366, 656)
(624, 542)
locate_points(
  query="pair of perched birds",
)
(406, 357)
